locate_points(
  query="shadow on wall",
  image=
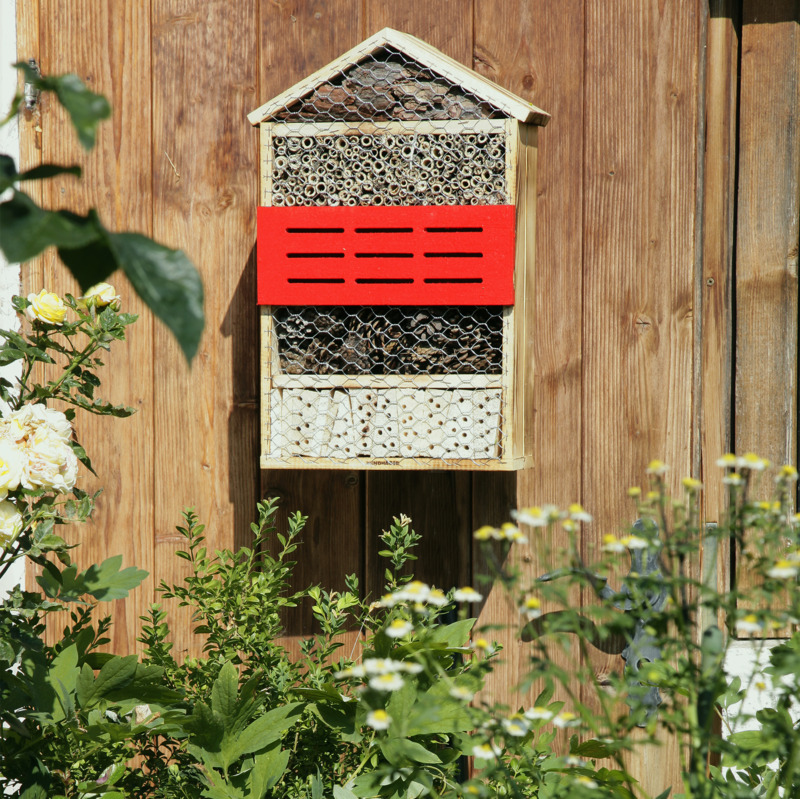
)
(241, 326)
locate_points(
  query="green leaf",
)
(106, 582)
(164, 278)
(115, 673)
(34, 792)
(593, 749)
(9, 175)
(26, 229)
(85, 108)
(225, 695)
(452, 635)
(167, 281)
(263, 731)
(84, 684)
(398, 751)
(340, 792)
(62, 677)
(268, 768)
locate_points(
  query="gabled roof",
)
(503, 100)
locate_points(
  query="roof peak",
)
(427, 56)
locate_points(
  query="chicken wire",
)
(351, 384)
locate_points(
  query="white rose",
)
(51, 463)
(10, 521)
(23, 423)
(11, 467)
(46, 307)
(101, 295)
(55, 420)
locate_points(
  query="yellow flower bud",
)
(101, 295)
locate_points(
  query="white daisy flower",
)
(578, 514)
(749, 624)
(533, 516)
(531, 608)
(612, 544)
(566, 719)
(733, 479)
(386, 682)
(415, 591)
(379, 720)
(461, 693)
(399, 628)
(515, 726)
(353, 671)
(437, 597)
(635, 542)
(784, 569)
(536, 713)
(486, 751)
(483, 645)
(586, 782)
(751, 461)
(467, 594)
(658, 468)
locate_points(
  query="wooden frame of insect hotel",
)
(395, 265)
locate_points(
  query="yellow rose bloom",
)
(46, 307)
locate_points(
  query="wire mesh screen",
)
(351, 384)
(389, 341)
(387, 85)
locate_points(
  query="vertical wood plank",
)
(767, 235)
(30, 128)
(331, 545)
(205, 171)
(108, 46)
(297, 38)
(536, 51)
(437, 502)
(439, 506)
(719, 176)
(301, 36)
(447, 24)
(642, 61)
(767, 232)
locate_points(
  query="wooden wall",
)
(634, 336)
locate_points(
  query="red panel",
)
(400, 255)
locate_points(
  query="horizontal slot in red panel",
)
(399, 255)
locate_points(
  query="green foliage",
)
(164, 278)
(668, 622)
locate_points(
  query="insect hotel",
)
(395, 265)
